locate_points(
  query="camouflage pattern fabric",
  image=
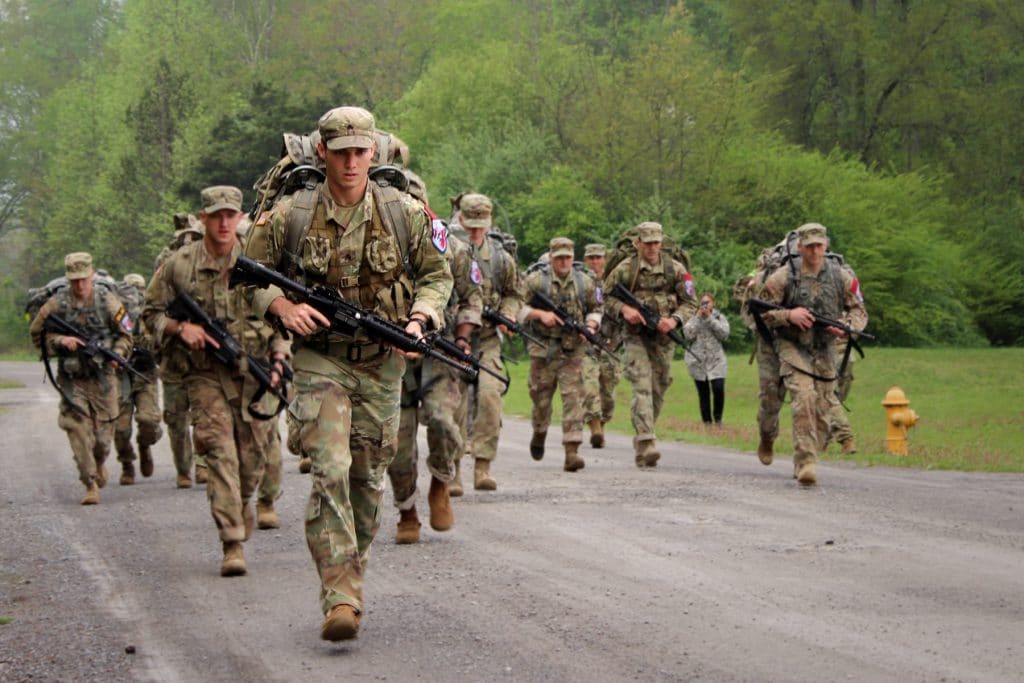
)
(143, 404)
(647, 364)
(270, 444)
(176, 417)
(485, 425)
(90, 437)
(771, 390)
(600, 377)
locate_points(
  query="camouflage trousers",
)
(485, 411)
(90, 435)
(839, 423)
(600, 377)
(811, 403)
(771, 391)
(647, 364)
(346, 421)
(176, 417)
(143, 404)
(563, 370)
(270, 445)
(231, 441)
(431, 395)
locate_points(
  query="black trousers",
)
(706, 389)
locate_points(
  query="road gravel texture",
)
(711, 567)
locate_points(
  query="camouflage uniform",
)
(346, 407)
(218, 395)
(839, 424)
(138, 398)
(560, 362)
(648, 357)
(498, 275)
(90, 383)
(807, 359)
(601, 373)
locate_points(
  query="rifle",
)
(92, 348)
(495, 317)
(452, 349)
(570, 324)
(347, 318)
(650, 316)
(231, 353)
(759, 306)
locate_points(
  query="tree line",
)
(896, 123)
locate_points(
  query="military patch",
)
(124, 321)
(263, 218)
(476, 276)
(855, 290)
(439, 236)
(688, 284)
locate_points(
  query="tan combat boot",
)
(127, 474)
(266, 516)
(482, 479)
(807, 474)
(92, 494)
(145, 461)
(408, 527)
(341, 623)
(849, 446)
(537, 445)
(455, 485)
(305, 464)
(201, 474)
(764, 451)
(183, 481)
(234, 559)
(573, 461)
(101, 475)
(441, 516)
(647, 454)
(596, 433)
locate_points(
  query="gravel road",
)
(711, 567)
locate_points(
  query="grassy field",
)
(971, 404)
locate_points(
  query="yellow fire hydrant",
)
(899, 418)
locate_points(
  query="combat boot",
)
(849, 446)
(127, 474)
(764, 451)
(305, 464)
(146, 461)
(183, 481)
(441, 516)
(92, 494)
(596, 433)
(408, 527)
(266, 516)
(201, 474)
(455, 485)
(234, 559)
(341, 623)
(573, 461)
(482, 479)
(537, 445)
(101, 475)
(807, 474)
(646, 454)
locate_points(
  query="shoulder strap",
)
(581, 290)
(498, 252)
(389, 205)
(296, 227)
(545, 281)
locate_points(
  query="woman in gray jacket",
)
(705, 359)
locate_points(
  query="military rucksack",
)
(625, 247)
(299, 167)
(37, 296)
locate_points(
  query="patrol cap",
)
(812, 233)
(475, 211)
(593, 250)
(561, 246)
(78, 265)
(345, 127)
(135, 280)
(649, 231)
(221, 197)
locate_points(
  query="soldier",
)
(806, 352)
(88, 385)
(496, 271)
(223, 428)
(187, 229)
(375, 247)
(138, 397)
(560, 361)
(663, 284)
(432, 394)
(600, 372)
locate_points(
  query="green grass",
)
(27, 354)
(971, 404)
(5, 620)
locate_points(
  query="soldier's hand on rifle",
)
(666, 325)
(835, 331)
(416, 327)
(801, 317)
(631, 315)
(277, 370)
(195, 337)
(504, 330)
(547, 318)
(72, 343)
(302, 319)
(592, 326)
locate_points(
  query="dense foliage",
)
(896, 123)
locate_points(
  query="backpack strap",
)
(581, 290)
(296, 227)
(498, 252)
(392, 213)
